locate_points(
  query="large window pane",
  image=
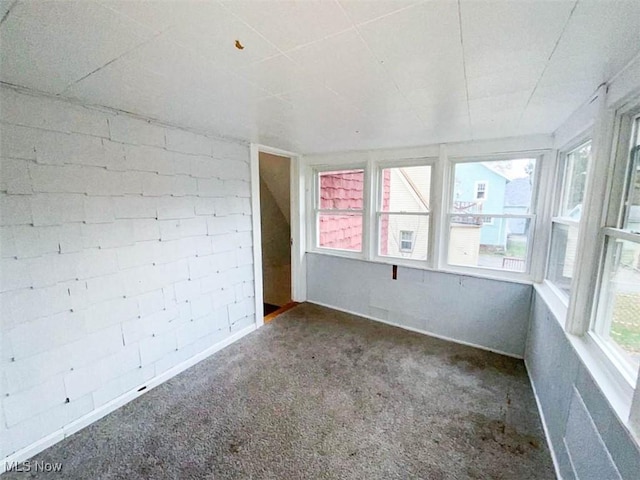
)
(618, 317)
(403, 236)
(341, 190)
(564, 242)
(575, 179)
(406, 189)
(340, 231)
(493, 187)
(489, 242)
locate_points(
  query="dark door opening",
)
(275, 222)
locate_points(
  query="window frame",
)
(559, 185)
(377, 212)
(533, 217)
(628, 127)
(410, 241)
(610, 149)
(314, 231)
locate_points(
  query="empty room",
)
(320, 239)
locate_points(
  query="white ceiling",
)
(326, 75)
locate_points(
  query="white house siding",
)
(404, 198)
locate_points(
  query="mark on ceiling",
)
(239, 46)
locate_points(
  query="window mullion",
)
(588, 246)
(369, 241)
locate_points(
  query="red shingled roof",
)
(345, 191)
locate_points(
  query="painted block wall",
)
(490, 314)
(586, 436)
(126, 249)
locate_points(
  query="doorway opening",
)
(275, 226)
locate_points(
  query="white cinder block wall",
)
(126, 249)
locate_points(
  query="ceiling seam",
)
(119, 111)
(124, 54)
(8, 11)
(464, 68)
(382, 65)
(281, 52)
(555, 47)
(366, 22)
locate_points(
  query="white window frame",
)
(448, 213)
(377, 212)
(615, 211)
(484, 190)
(411, 241)
(314, 231)
(440, 159)
(560, 184)
(609, 154)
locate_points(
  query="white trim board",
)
(417, 330)
(95, 415)
(297, 226)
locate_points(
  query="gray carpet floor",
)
(319, 394)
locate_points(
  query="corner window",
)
(339, 207)
(404, 212)
(616, 321)
(565, 228)
(491, 231)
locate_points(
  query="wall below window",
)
(490, 314)
(126, 252)
(587, 438)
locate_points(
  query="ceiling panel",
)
(214, 36)
(161, 15)
(424, 31)
(326, 75)
(505, 82)
(50, 45)
(335, 58)
(361, 11)
(278, 74)
(599, 41)
(508, 35)
(291, 24)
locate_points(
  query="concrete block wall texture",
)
(126, 249)
(587, 438)
(486, 313)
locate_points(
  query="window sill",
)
(419, 265)
(557, 303)
(609, 380)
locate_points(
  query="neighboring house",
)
(342, 191)
(407, 189)
(517, 200)
(496, 194)
(404, 189)
(479, 189)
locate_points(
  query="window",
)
(403, 212)
(572, 177)
(494, 231)
(339, 205)
(481, 190)
(406, 241)
(616, 323)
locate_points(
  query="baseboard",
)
(417, 330)
(95, 415)
(547, 437)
